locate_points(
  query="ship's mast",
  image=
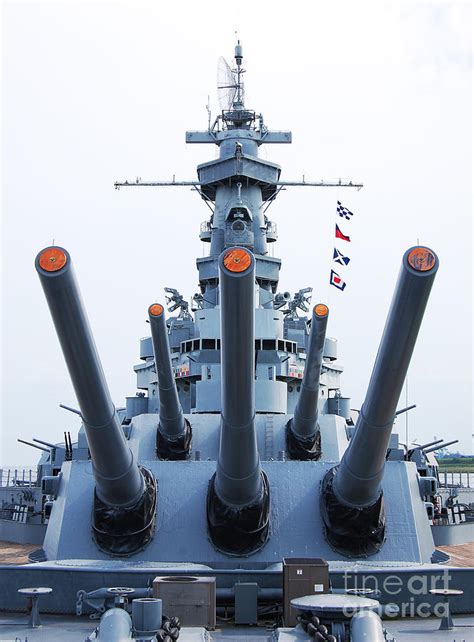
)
(238, 186)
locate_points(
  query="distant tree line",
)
(465, 460)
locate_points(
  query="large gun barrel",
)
(119, 481)
(303, 439)
(173, 437)
(356, 483)
(238, 498)
(117, 475)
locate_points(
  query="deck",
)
(462, 555)
(13, 626)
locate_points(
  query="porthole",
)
(238, 226)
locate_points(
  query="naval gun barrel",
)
(28, 443)
(173, 437)
(406, 409)
(303, 439)
(411, 451)
(122, 488)
(445, 445)
(428, 445)
(354, 487)
(116, 473)
(238, 497)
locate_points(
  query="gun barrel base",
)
(122, 531)
(238, 530)
(351, 531)
(174, 449)
(304, 449)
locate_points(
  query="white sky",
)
(373, 91)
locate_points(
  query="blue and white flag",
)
(343, 211)
(336, 281)
(340, 258)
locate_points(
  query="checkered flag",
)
(343, 211)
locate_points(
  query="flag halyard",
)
(338, 257)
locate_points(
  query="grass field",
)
(456, 468)
(456, 464)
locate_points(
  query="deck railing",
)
(448, 479)
(18, 477)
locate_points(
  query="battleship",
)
(238, 487)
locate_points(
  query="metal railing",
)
(18, 477)
(450, 479)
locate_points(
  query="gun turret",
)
(351, 496)
(421, 447)
(303, 439)
(173, 437)
(238, 498)
(125, 494)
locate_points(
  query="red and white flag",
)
(336, 281)
(340, 235)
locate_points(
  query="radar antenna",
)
(230, 88)
(226, 85)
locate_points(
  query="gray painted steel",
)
(67, 577)
(365, 626)
(238, 479)
(305, 420)
(118, 478)
(171, 414)
(358, 479)
(22, 533)
(115, 626)
(342, 604)
(147, 614)
(446, 535)
(295, 521)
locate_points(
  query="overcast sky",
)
(373, 91)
